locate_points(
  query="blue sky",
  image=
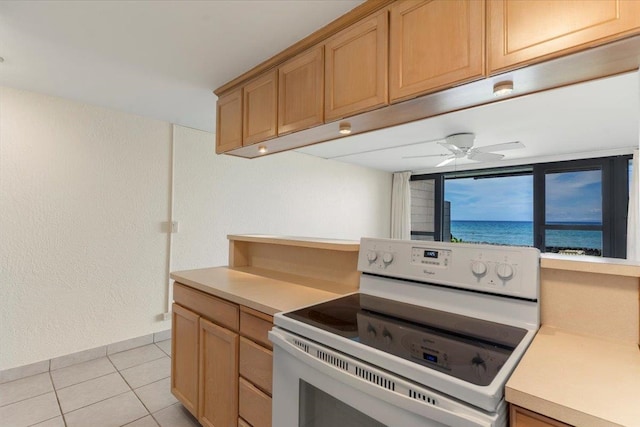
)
(573, 196)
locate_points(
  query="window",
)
(574, 207)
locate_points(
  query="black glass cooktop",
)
(464, 347)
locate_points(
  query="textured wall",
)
(289, 193)
(83, 194)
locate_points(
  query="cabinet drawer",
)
(212, 308)
(521, 417)
(256, 364)
(255, 406)
(255, 326)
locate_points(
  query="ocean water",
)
(520, 233)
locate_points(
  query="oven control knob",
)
(386, 335)
(372, 256)
(478, 268)
(504, 271)
(387, 258)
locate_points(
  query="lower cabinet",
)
(184, 357)
(218, 392)
(520, 417)
(256, 368)
(221, 366)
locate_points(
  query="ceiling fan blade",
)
(446, 161)
(451, 147)
(480, 156)
(425, 155)
(499, 147)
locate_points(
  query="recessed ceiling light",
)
(345, 128)
(262, 149)
(503, 88)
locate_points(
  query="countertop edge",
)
(550, 365)
(227, 296)
(206, 286)
(555, 410)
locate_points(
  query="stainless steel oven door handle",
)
(343, 368)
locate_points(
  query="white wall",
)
(84, 192)
(287, 193)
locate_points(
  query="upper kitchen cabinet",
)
(523, 32)
(356, 68)
(434, 45)
(301, 92)
(229, 121)
(260, 97)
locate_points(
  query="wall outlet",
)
(166, 316)
(173, 226)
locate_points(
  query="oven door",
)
(314, 386)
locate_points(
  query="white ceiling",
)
(596, 118)
(162, 59)
(159, 59)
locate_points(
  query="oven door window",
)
(319, 409)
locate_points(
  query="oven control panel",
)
(431, 257)
(505, 270)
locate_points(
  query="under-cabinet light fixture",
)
(262, 149)
(345, 128)
(503, 88)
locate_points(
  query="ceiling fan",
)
(461, 145)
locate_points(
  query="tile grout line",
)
(134, 393)
(64, 420)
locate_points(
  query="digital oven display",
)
(430, 357)
(431, 254)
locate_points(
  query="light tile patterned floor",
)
(130, 388)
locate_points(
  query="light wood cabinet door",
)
(356, 77)
(184, 359)
(260, 98)
(229, 121)
(218, 392)
(526, 31)
(434, 44)
(301, 92)
(520, 417)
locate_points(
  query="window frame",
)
(615, 196)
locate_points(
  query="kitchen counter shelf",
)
(301, 242)
(258, 292)
(578, 379)
(590, 264)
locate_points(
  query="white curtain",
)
(633, 236)
(401, 206)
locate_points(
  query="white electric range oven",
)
(429, 340)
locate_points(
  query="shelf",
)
(590, 264)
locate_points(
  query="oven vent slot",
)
(332, 360)
(419, 396)
(301, 345)
(375, 379)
